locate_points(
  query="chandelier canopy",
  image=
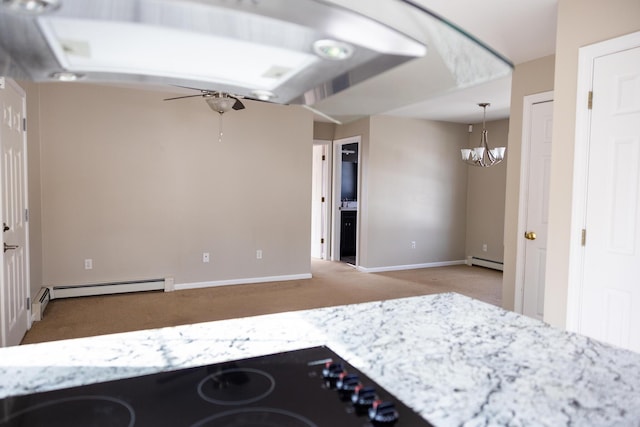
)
(483, 155)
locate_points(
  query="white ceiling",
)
(519, 30)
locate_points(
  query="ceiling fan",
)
(220, 102)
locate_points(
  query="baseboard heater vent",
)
(485, 263)
(40, 303)
(109, 288)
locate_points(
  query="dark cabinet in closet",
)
(348, 234)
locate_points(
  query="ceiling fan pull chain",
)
(220, 128)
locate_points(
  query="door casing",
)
(336, 202)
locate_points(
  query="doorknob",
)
(10, 247)
(5, 227)
(531, 235)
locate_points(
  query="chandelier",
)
(482, 155)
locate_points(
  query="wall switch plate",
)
(88, 264)
(205, 256)
(259, 254)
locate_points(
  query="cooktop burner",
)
(312, 387)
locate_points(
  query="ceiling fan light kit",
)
(220, 103)
(483, 155)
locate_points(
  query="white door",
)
(15, 265)
(610, 293)
(319, 201)
(537, 208)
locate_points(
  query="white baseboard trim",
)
(410, 266)
(108, 288)
(199, 285)
(487, 263)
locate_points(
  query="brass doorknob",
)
(531, 235)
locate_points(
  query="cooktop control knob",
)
(364, 396)
(331, 372)
(347, 383)
(383, 413)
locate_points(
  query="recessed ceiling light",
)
(263, 95)
(35, 7)
(66, 76)
(333, 49)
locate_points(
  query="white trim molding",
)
(199, 285)
(410, 266)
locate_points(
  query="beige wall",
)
(324, 131)
(417, 192)
(528, 78)
(486, 195)
(144, 187)
(580, 23)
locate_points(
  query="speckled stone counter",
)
(455, 360)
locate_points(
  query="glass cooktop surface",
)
(311, 387)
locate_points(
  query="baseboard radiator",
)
(481, 262)
(40, 303)
(93, 289)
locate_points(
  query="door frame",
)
(528, 103)
(586, 58)
(336, 189)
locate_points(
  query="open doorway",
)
(346, 191)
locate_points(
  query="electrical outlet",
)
(88, 264)
(413, 244)
(205, 256)
(484, 247)
(259, 254)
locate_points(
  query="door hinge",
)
(322, 199)
(322, 240)
(26, 215)
(24, 124)
(324, 157)
(590, 101)
(584, 237)
(28, 303)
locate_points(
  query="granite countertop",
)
(454, 360)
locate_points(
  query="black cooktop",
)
(312, 387)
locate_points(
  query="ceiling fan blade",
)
(238, 105)
(189, 87)
(181, 97)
